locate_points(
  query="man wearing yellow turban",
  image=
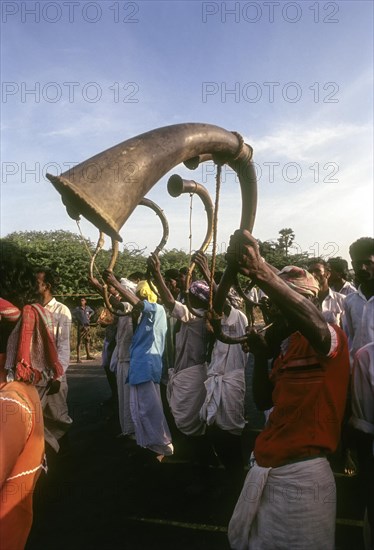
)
(147, 347)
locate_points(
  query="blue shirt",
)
(82, 316)
(148, 345)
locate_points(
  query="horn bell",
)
(106, 188)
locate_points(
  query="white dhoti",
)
(290, 507)
(151, 429)
(56, 415)
(224, 402)
(186, 394)
(124, 413)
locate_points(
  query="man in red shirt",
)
(289, 493)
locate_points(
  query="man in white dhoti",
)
(223, 408)
(362, 422)
(57, 421)
(225, 385)
(186, 391)
(288, 498)
(119, 363)
(124, 339)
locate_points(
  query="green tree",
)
(62, 251)
(174, 258)
(287, 237)
(277, 253)
(69, 256)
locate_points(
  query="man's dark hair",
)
(50, 277)
(340, 265)
(321, 261)
(136, 275)
(17, 278)
(171, 274)
(362, 248)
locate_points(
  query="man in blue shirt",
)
(82, 315)
(147, 347)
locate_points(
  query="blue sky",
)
(294, 78)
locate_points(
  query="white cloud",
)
(298, 143)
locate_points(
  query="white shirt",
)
(363, 390)
(261, 294)
(190, 340)
(333, 307)
(358, 321)
(62, 323)
(229, 357)
(347, 288)
(252, 294)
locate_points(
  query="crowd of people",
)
(171, 377)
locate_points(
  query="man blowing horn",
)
(289, 493)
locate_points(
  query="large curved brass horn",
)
(165, 235)
(106, 188)
(178, 186)
(164, 222)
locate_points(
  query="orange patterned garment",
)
(309, 399)
(21, 460)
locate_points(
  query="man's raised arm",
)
(167, 298)
(244, 255)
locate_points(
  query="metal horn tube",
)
(164, 222)
(229, 276)
(176, 187)
(99, 246)
(129, 170)
(165, 234)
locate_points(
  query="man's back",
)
(309, 399)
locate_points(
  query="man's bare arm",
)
(243, 253)
(167, 298)
(113, 298)
(202, 263)
(126, 294)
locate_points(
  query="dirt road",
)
(102, 494)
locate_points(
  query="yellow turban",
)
(144, 291)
